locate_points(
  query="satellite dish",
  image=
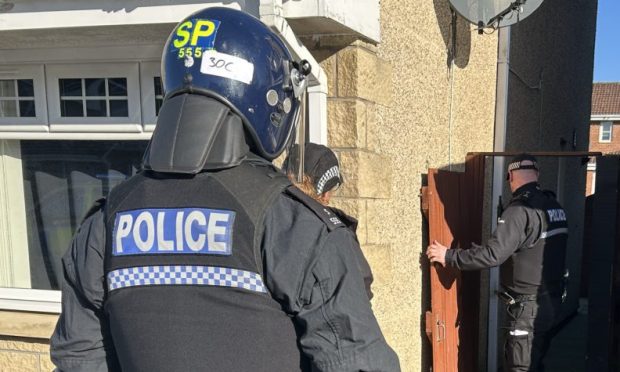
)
(495, 13)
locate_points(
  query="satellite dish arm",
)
(514, 6)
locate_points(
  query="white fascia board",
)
(271, 13)
(361, 16)
(606, 117)
(45, 14)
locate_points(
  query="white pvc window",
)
(48, 186)
(22, 98)
(94, 97)
(17, 98)
(53, 164)
(605, 131)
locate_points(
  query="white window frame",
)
(43, 67)
(148, 71)
(14, 238)
(30, 300)
(13, 235)
(131, 124)
(28, 124)
(601, 131)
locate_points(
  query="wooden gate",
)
(453, 204)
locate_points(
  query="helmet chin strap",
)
(193, 133)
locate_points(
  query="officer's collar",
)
(252, 158)
(525, 188)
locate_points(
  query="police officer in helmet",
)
(529, 245)
(208, 259)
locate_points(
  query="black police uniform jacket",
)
(351, 223)
(222, 271)
(183, 255)
(529, 243)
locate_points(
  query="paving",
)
(568, 347)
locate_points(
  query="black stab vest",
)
(174, 306)
(539, 267)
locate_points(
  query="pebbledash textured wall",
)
(394, 110)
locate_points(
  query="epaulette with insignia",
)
(327, 216)
(97, 205)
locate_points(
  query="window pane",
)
(95, 87)
(71, 108)
(62, 179)
(8, 109)
(7, 88)
(96, 108)
(157, 82)
(158, 103)
(117, 86)
(605, 131)
(70, 87)
(119, 108)
(26, 109)
(25, 88)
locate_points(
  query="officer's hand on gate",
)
(437, 253)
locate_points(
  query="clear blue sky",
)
(607, 48)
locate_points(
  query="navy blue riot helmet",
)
(233, 57)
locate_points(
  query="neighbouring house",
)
(604, 126)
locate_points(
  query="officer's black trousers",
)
(527, 333)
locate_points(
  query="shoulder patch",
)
(325, 214)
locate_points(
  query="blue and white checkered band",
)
(185, 275)
(517, 165)
(513, 166)
(173, 231)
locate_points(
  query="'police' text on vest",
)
(173, 231)
(556, 215)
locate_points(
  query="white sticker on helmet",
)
(227, 66)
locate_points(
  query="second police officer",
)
(207, 260)
(530, 245)
(321, 178)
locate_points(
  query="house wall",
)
(24, 341)
(395, 110)
(437, 115)
(604, 147)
